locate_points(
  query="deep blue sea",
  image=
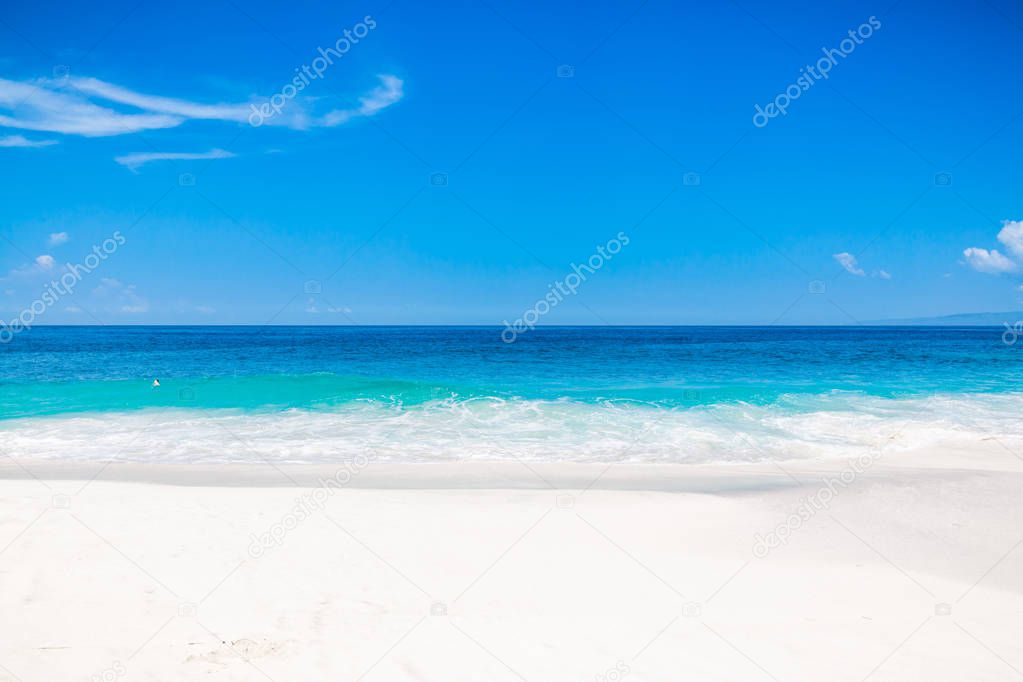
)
(564, 393)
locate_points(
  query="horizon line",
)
(538, 327)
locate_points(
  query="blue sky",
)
(895, 182)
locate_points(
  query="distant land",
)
(958, 320)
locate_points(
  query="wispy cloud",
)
(390, 90)
(42, 105)
(93, 108)
(136, 159)
(848, 261)
(22, 141)
(57, 238)
(122, 297)
(155, 103)
(852, 266)
(41, 264)
(993, 262)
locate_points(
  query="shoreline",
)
(722, 477)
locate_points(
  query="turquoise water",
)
(310, 393)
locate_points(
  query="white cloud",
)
(884, 274)
(42, 105)
(57, 238)
(991, 261)
(390, 90)
(70, 106)
(163, 105)
(1011, 235)
(106, 285)
(136, 159)
(21, 141)
(123, 296)
(848, 261)
(39, 265)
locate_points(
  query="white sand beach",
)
(506, 572)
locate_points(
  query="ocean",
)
(416, 394)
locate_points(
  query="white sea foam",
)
(796, 427)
